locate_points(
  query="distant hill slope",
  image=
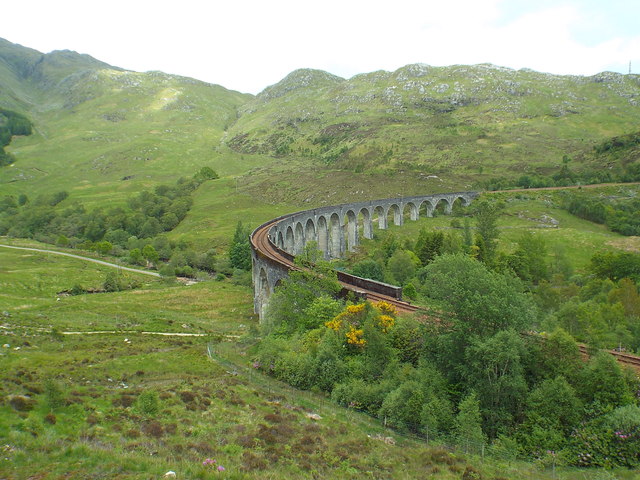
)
(464, 119)
(100, 129)
(25, 74)
(101, 132)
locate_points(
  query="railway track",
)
(622, 358)
(626, 359)
(401, 306)
(264, 246)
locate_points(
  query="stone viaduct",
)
(336, 230)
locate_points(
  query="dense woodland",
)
(599, 307)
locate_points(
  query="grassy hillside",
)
(312, 139)
(128, 130)
(459, 120)
(101, 131)
(14, 62)
(81, 392)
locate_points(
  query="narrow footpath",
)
(87, 259)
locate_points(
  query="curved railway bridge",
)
(337, 229)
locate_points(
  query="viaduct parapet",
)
(336, 230)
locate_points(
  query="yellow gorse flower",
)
(386, 322)
(354, 336)
(348, 315)
(386, 308)
(334, 324)
(354, 309)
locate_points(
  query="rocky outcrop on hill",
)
(419, 115)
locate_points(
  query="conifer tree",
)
(240, 251)
(486, 216)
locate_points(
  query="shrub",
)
(409, 291)
(153, 429)
(54, 396)
(148, 403)
(112, 283)
(369, 269)
(360, 395)
(167, 271)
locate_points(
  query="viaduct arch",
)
(336, 230)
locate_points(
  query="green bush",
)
(167, 271)
(609, 441)
(409, 291)
(368, 269)
(53, 394)
(148, 403)
(402, 407)
(112, 283)
(360, 395)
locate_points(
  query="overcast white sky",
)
(247, 45)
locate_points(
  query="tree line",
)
(623, 168)
(11, 123)
(620, 215)
(133, 231)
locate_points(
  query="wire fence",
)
(546, 465)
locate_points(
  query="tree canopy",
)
(482, 301)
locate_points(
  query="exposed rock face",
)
(299, 79)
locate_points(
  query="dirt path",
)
(87, 259)
(136, 332)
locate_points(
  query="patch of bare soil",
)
(629, 244)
